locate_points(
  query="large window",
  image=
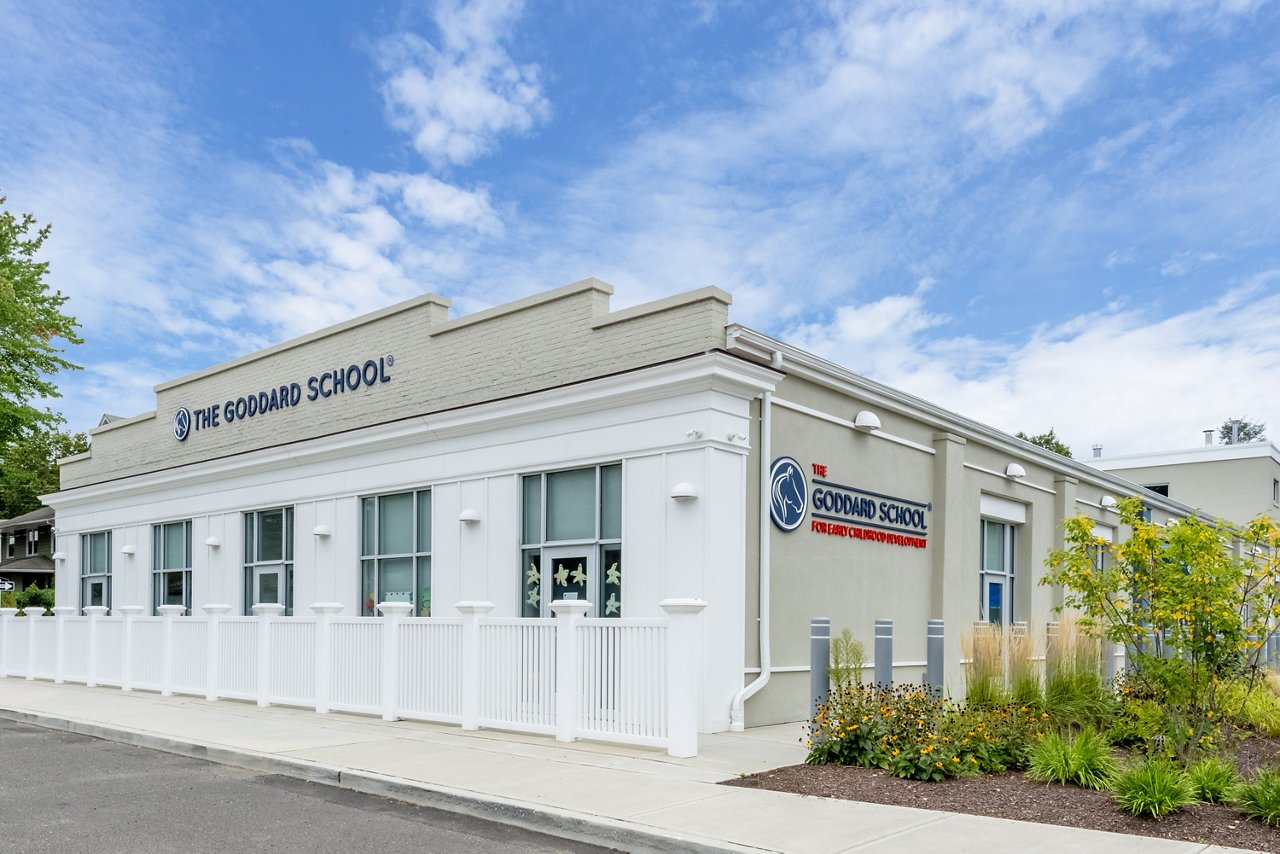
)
(268, 558)
(33, 543)
(572, 540)
(95, 569)
(171, 565)
(995, 604)
(395, 551)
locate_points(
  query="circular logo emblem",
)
(181, 423)
(788, 493)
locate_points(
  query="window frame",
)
(159, 571)
(1005, 575)
(33, 543)
(88, 573)
(252, 555)
(371, 560)
(607, 552)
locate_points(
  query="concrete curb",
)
(567, 824)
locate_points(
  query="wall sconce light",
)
(1108, 502)
(1015, 471)
(695, 433)
(128, 550)
(59, 555)
(735, 436)
(322, 531)
(213, 542)
(469, 516)
(866, 421)
(684, 491)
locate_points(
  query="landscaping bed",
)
(1015, 796)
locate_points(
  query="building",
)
(1235, 482)
(551, 448)
(26, 549)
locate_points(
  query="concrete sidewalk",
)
(630, 798)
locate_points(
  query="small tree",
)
(1245, 431)
(1191, 613)
(1049, 441)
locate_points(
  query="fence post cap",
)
(268, 609)
(126, 610)
(171, 610)
(59, 610)
(570, 606)
(8, 612)
(216, 609)
(101, 610)
(327, 608)
(682, 606)
(395, 609)
(33, 611)
(474, 607)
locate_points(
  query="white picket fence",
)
(633, 681)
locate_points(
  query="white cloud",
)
(1181, 263)
(456, 98)
(1130, 380)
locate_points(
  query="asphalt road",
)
(70, 793)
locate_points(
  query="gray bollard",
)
(1050, 648)
(819, 661)
(933, 671)
(884, 653)
(1108, 660)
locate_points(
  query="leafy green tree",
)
(29, 467)
(1192, 612)
(31, 324)
(1249, 431)
(1049, 441)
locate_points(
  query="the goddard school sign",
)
(286, 396)
(838, 510)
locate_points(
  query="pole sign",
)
(840, 510)
(371, 373)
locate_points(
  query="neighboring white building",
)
(1235, 482)
(551, 447)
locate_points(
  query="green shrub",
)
(847, 657)
(1152, 788)
(1260, 797)
(1258, 709)
(35, 597)
(1085, 760)
(1212, 779)
(992, 740)
(8, 598)
(1137, 724)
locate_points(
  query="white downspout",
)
(737, 709)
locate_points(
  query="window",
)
(1275, 492)
(395, 551)
(995, 604)
(572, 540)
(268, 558)
(171, 565)
(10, 546)
(1158, 488)
(95, 569)
(33, 543)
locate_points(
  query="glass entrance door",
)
(568, 572)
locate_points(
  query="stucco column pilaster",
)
(954, 589)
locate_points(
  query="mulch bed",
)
(1016, 797)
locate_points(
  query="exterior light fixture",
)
(322, 531)
(695, 433)
(735, 436)
(128, 550)
(1108, 502)
(469, 516)
(1015, 471)
(213, 542)
(684, 491)
(866, 421)
(59, 555)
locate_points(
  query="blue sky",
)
(1040, 214)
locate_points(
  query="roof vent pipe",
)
(1097, 450)
(1208, 437)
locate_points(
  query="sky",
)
(1038, 213)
